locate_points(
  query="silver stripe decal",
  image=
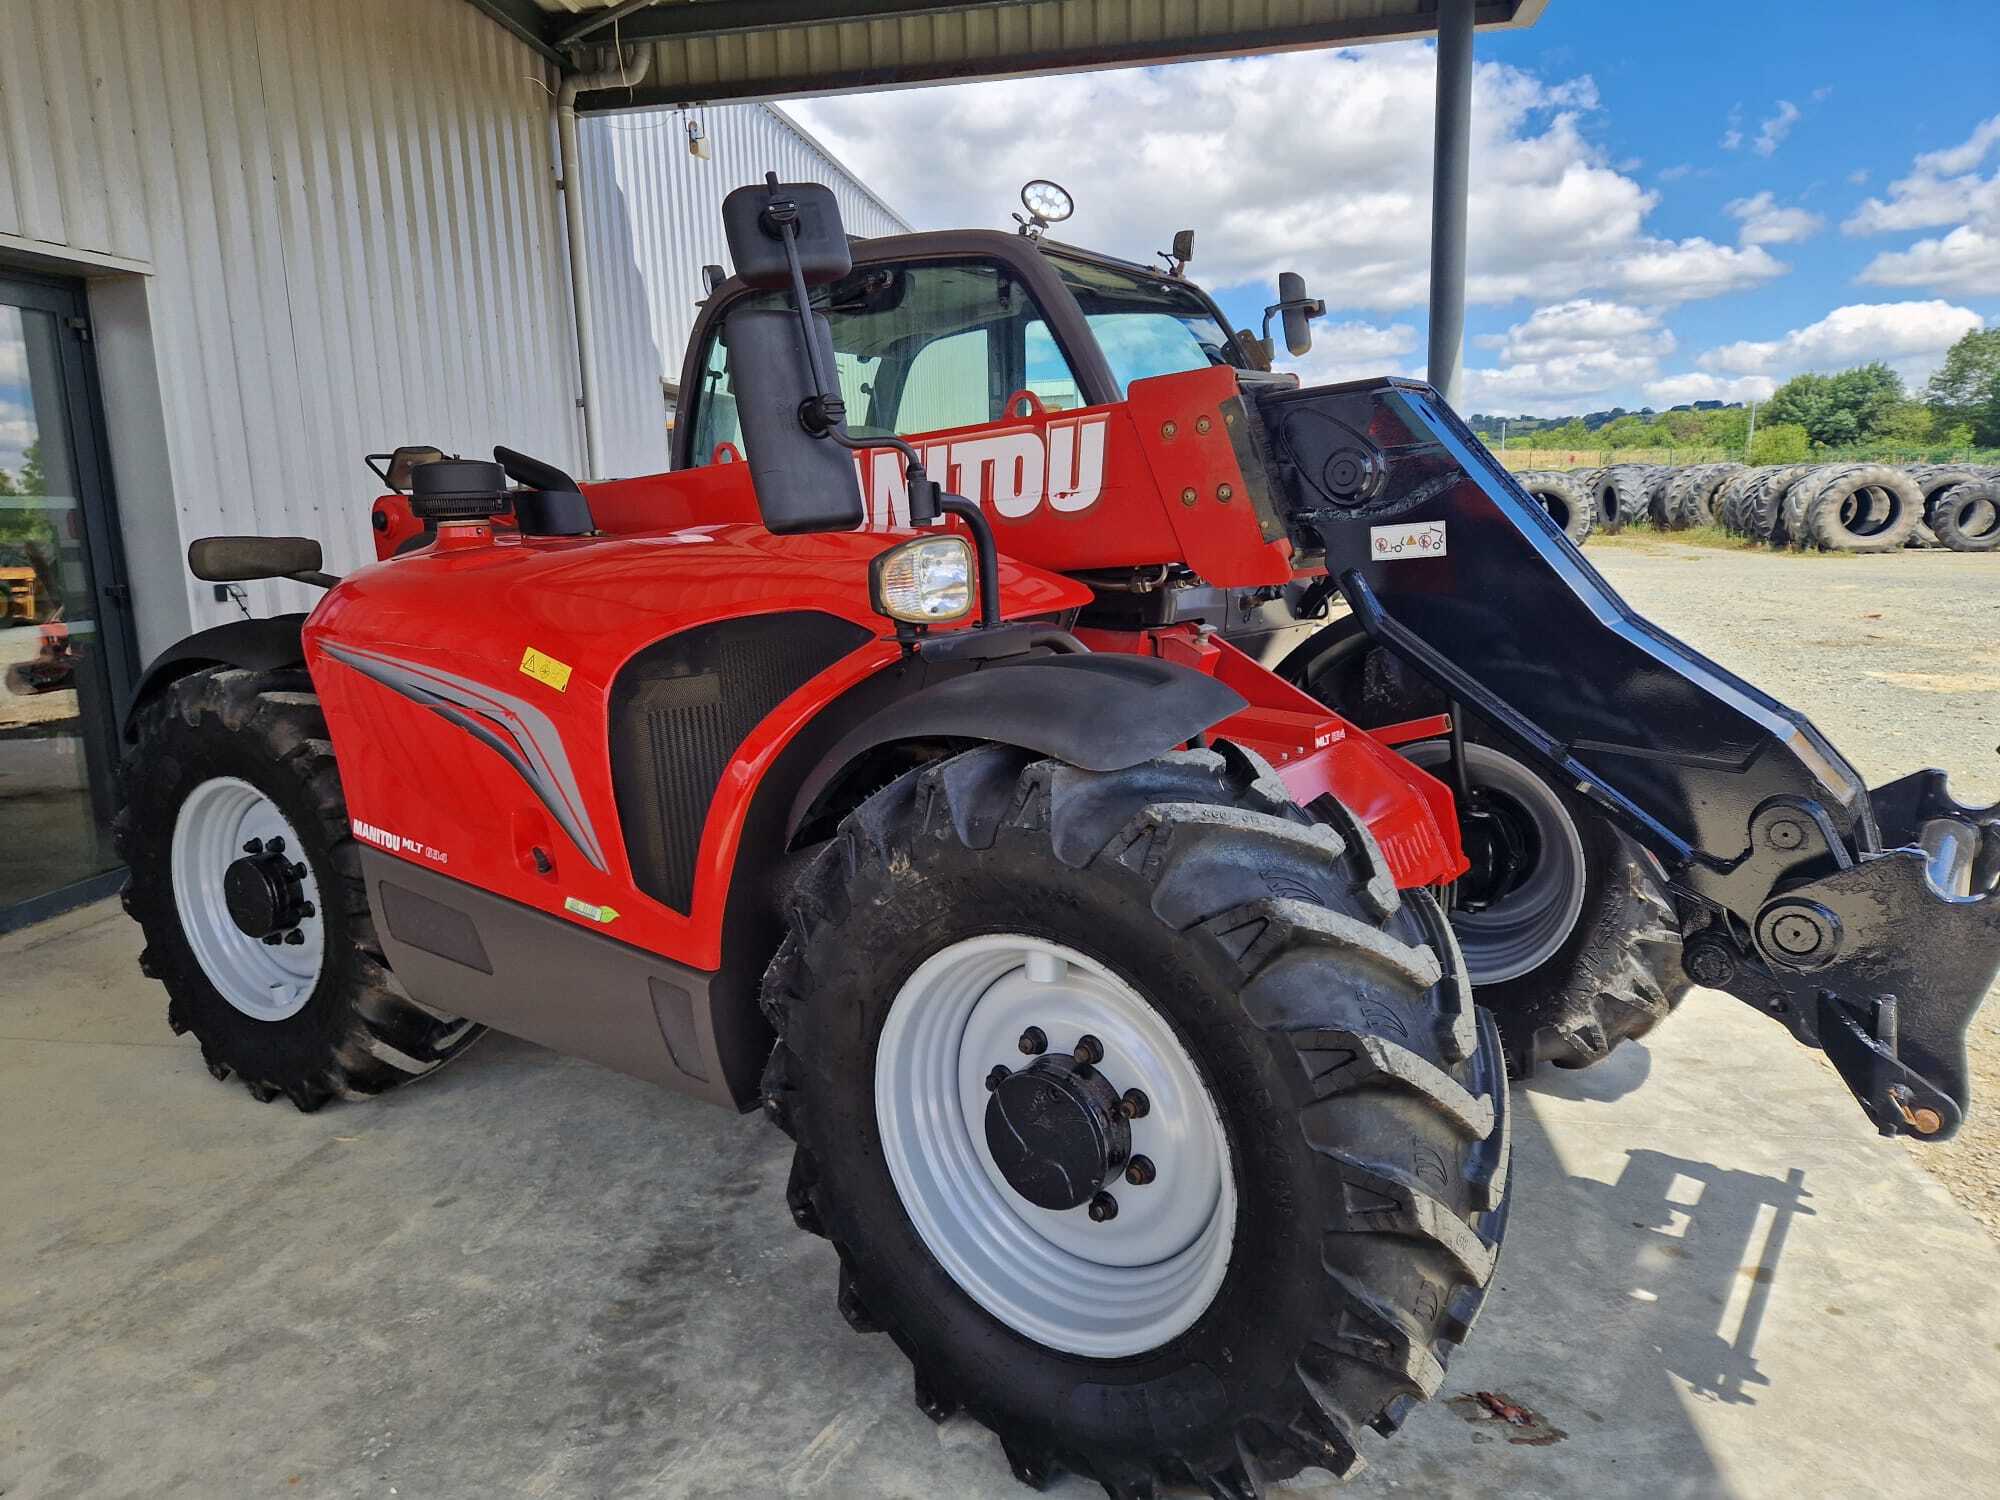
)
(520, 733)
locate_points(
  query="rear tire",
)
(1613, 970)
(223, 757)
(1360, 1101)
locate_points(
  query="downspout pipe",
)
(578, 241)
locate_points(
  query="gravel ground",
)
(1897, 660)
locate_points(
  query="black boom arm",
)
(1867, 922)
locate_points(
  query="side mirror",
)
(755, 220)
(241, 559)
(1184, 245)
(1298, 311)
(803, 481)
(787, 237)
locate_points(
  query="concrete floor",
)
(530, 1277)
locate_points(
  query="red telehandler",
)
(952, 758)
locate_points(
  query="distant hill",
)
(1489, 426)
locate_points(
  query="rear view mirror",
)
(1298, 311)
(803, 481)
(751, 217)
(1184, 245)
(240, 559)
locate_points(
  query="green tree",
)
(1966, 388)
(7, 486)
(1781, 443)
(1727, 429)
(1836, 409)
(1686, 427)
(1908, 422)
(32, 480)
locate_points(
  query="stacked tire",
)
(1966, 516)
(1844, 507)
(1567, 501)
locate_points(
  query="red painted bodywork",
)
(474, 604)
(683, 549)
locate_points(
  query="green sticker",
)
(585, 909)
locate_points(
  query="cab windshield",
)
(1145, 324)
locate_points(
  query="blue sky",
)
(1665, 206)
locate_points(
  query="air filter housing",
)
(458, 489)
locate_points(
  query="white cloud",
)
(1963, 157)
(1355, 351)
(1965, 262)
(1764, 222)
(1944, 188)
(1570, 355)
(1771, 134)
(1732, 140)
(1823, 93)
(1910, 336)
(13, 360)
(1858, 176)
(1681, 390)
(1347, 202)
(1676, 172)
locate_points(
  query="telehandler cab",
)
(948, 756)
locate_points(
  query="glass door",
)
(65, 653)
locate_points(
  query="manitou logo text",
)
(1012, 473)
(396, 843)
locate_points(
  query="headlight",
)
(926, 582)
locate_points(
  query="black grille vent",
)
(679, 710)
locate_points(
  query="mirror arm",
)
(985, 549)
(317, 580)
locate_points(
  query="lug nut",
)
(1103, 1209)
(307, 909)
(1139, 1171)
(995, 1078)
(276, 846)
(255, 846)
(1034, 1042)
(1089, 1051)
(294, 938)
(299, 871)
(271, 939)
(1134, 1105)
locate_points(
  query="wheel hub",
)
(1056, 1132)
(248, 904)
(1015, 1079)
(264, 893)
(1500, 845)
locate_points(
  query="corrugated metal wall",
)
(656, 219)
(350, 219)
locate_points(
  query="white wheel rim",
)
(1106, 1290)
(266, 981)
(1522, 929)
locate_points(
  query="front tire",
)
(247, 884)
(1324, 1116)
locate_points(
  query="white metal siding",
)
(350, 219)
(656, 219)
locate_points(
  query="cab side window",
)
(920, 348)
